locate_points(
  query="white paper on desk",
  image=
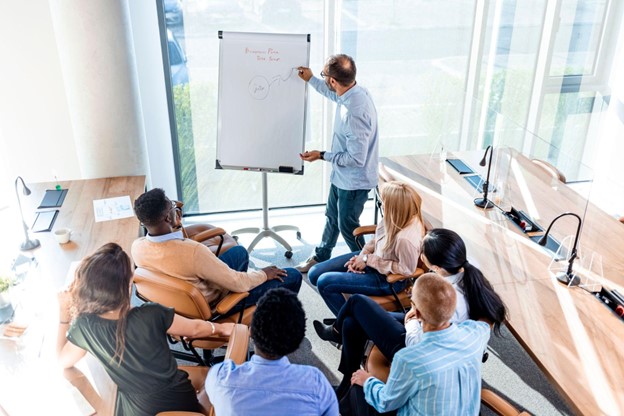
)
(112, 208)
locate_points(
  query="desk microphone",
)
(568, 276)
(484, 202)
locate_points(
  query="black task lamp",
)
(28, 244)
(484, 202)
(568, 276)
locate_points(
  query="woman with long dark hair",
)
(361, 319)
(96, 317)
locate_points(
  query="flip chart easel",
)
(262, 111)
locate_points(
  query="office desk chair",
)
(237, 351)
(215, 238)
(550, 169)
(188, 301)
(397, 301)
(238, 345)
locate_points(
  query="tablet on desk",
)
(460, 166)
(53, 198)
(44, 221)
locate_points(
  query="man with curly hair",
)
(269, 384)
(165, 249)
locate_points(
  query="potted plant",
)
(5, 284)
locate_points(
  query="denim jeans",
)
(237, 258)
(342, 214)
(332, 279)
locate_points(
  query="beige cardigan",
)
(194, 262)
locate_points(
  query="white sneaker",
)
(306, 265)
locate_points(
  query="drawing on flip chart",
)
(259, 86)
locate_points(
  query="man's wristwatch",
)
(365, 258)
(323, 155)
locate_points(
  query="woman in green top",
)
(129, 342)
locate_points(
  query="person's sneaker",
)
(306, 265)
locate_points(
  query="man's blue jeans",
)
(342, 217)
(237, 258)
(332, 279)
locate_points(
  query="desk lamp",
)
(484, 202)
(28, 244)
(568, 276)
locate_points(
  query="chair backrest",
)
(550, 169)
(170, 291)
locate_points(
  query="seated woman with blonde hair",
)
(131, 344)
(394, 249)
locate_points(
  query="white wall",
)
(37, 136)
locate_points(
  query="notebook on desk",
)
(44, 221)
(460, 166)
(53, 198)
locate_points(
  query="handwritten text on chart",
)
(268, 55)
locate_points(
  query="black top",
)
(148, 378)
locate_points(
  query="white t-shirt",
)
(413, 328)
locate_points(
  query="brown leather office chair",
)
(397, 301)
(188, 301)
(215, 238)
(237, 351)
(379, 367)
(550, 169)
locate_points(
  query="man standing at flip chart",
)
(354, 153)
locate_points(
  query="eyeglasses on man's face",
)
(325, 74)
(174, 207)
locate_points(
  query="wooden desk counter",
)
(572, 336)
(31, 382)
(77, 214)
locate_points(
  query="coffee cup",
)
(62, 235)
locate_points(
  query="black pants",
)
(354, 404)
(359, 320)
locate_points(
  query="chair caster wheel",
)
(298, 235)
(288, 254)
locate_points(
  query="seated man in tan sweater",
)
(166, 250)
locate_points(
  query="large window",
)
(453, 74)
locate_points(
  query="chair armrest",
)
(230, 301)
(364, 229)
(205, 235)
(394, 277)
(499, 405)
(238, 345)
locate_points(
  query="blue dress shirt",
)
(269, 387)
(354, 153)
(441, 375)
